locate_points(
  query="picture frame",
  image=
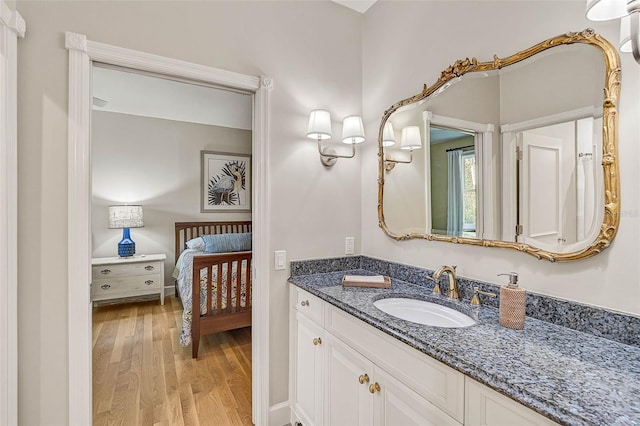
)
(225, 182)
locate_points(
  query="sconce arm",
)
(390, 163)
(329, 156)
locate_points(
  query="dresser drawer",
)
(308, 304)
(124, 270)
(123, 284)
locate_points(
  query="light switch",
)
(280, 261)
(349, 245)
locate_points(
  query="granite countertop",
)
(571, 377)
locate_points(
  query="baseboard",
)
(280, 414)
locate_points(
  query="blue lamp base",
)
(126, 247)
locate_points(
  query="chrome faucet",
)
(453, 281)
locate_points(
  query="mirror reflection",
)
(511, 154)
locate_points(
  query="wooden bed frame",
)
(215, 319)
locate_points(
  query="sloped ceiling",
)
(358, 5)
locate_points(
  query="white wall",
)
(312, 50)
(446, 31)
(156, 163)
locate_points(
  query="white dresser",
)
(119, 277)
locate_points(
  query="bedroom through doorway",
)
(151, 141)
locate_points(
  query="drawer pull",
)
(317, 341)
(105, 271)
(149, 268)
(148, 282)
(364, 378)
(105, 286)
(374, 387)
(305, 303)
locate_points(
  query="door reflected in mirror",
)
(512, 152)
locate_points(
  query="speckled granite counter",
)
(571, 377)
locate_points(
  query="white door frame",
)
(82, 53)
(12, 26)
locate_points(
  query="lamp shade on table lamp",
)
(126, 217)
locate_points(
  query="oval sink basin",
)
(422, 312)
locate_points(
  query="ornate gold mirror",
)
(507, 153)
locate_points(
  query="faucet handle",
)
(475, 300)
(436, 288)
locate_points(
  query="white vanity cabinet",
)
(307, 357)
(346, 372)
(486, 407)
(338, 383)
(347, 398)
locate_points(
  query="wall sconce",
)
(126, 217)
(605, 10)
(320, 129)
(410, 140)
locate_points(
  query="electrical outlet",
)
(349, 245)
(280, 260)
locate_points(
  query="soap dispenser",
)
(512, 303)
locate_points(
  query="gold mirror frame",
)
(610, 166)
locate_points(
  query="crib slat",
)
(229, 285)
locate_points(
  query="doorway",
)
(82, 53)
(147, 135)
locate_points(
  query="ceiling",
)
(133, 93)
(358, 5)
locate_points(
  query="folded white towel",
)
(364, 278)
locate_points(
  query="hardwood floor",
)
(142, 376)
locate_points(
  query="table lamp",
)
(125, 217)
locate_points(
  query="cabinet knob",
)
(149, 268)
(305, 303)
(148, 282)
(317, 341)
(374, 387)
(105, 286)
(105, 271)
(364, 378)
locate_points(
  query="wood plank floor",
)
(142, 376)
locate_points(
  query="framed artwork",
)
(225, 182)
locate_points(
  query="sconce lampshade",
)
(352, 130)
(411, 138)
(625, 34)
(126, 217)
(604, 10)
(319, 125)
(388, 135)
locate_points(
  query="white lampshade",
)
(411, 138)
(352, 130)
(125, 217)
(604, 10)
(625, 34)
(388, 135)
(319, 125)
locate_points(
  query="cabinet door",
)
(486, 407)
(308, 370)
(347, 379)
(397, 404)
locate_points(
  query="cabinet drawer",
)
(431, 379)
(123, 270)
(308, 304)
(123, 284)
